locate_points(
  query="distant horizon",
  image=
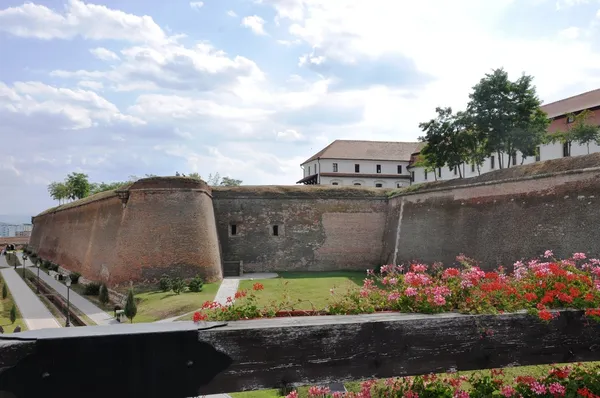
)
(15, 219)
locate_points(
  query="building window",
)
(537, 154)
(335, 169)
(514, 159)
(570, 119)
(233, 229)
(379, 185)
(412, 176)
(566, 149)
(399, 169)
(439, 172)
(357, 183)
(425, 174)
(357, 168)
(398, 185)
(492, 162)
(378, 167)
(275, 230)
(334, 183)
(472, 167)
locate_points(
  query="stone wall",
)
(319, 228)
(497, 222)
(166, 226)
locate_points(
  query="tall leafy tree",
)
(106, 186)
(130, 306)
(58, 191)
(583, 131)
(447, 140)
(79, 185)
(507, 114)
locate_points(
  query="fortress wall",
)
(320, 228)
(166, 227)
(497, 222)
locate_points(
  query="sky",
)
(251, 88)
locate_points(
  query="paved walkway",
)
(82, 304)
(33, 311)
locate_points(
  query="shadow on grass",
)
(356, 277)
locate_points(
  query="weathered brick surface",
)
(498, 223)
(167, 226)
(340, 230)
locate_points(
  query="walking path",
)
(82, 304)
(33, 311)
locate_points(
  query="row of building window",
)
(377, 185)
(233, 230)
(357, 169)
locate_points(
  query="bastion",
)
(181, 226)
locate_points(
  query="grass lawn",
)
(312, 288)
(156, 305)
(509, 375)
(5, 306)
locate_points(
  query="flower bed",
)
(569, 381)
(537, 285)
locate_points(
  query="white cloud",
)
(232, 13)
(562, 4)
(196, 5)
(89, 21)
(289, 135)
(104, 54)
(571, 33)
(91, 84)
(254, 23)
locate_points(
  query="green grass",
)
(305, 290)
(509, 375)
(156, 305)
(5, 306)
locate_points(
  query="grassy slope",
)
(311, 287)
(155, 305)
(5, 306)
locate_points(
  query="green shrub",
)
(92, 289)
(4, 291)
(165, 283)
(196, 284)
(75, 277)
(46, 264)
(104, 298)
(13, 314)
(178, 285)
(130, 306)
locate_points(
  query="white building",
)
(8, 230)
(361, 163)
(557, 112)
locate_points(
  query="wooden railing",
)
(184, 359)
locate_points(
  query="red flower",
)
(545, 315)
(199, 317)
(530, 296)
(258, 286)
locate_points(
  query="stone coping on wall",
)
(424, 190)
(298, 192)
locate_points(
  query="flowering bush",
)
(569, 381)
(537, 285)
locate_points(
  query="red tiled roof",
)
(368, 150)
(588, 100)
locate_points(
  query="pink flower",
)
(364, 293)
(579, 256)
(557, 389)
(418, 268)
(368, 283)
(370, 272)
(461, 394)
(439, 300)
(548, 254)
(293, 394)
(417, 279)
(393, 281)
(315, 391)
(538, 388)
(507, 391)
(411, 394)
(393, 296)
(410, 291)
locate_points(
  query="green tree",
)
(230, 182)
(214, 180)
(446, 139)
(106, 186)
(4, 292)
(584, 132)
(79, 185)
(506, 114)
(130, 306)
(58, 191)
(13, 314)
(103, 296)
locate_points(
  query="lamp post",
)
(37, 264)
(24, 259)
(68, 283)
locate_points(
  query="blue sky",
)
(251, 88)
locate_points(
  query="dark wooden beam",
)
(182, 359)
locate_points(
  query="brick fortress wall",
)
(166, 227)
(319, 228)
